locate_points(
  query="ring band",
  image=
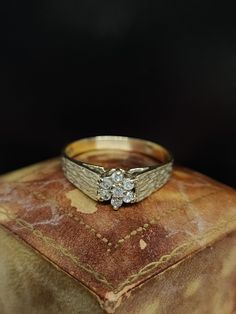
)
(116, 184)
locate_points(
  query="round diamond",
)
(128, 184)
(105, 195)
(117, 176)
(117, 192)
(106, 183)
(129, 197)
(116, 202)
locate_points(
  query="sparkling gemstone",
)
(128, 197)
(105, 195)
(128, 184)
(116, 202)
(106, 183)
(117, 192)
(117, 187)
(117, 176)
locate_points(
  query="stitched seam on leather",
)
(103, 239)
(165, 258)
(52, 243)
(146, 269)
(139, 229)
(101, 278)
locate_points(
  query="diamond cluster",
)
(118, 187)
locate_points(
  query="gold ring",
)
(116, 185)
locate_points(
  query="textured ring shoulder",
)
(116, 185)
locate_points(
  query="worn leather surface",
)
(203, 283)
(112, 252)
(31, 285)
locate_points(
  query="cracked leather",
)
(108, 251)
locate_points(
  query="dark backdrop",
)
(162, 70)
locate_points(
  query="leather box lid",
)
(110, 252)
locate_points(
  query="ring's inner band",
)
(116, 159)
(115, 151)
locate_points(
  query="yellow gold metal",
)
(87, 177)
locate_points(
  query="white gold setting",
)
(118, 187)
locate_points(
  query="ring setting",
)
(116, 185)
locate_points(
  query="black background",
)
(160, 70)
